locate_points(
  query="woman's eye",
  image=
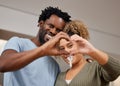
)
(70, 45)
(61, 48)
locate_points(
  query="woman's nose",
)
(68, 50)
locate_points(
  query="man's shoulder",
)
(17, 38)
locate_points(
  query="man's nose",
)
(53, 31)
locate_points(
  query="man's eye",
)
(58, 30)
(51, 26)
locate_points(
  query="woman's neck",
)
(76, 68)
(79, 65)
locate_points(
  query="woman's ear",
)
(41, 23)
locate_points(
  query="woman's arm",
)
(87, 48)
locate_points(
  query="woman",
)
(99, 72)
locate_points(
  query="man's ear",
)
(41, 23)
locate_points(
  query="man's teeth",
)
(47, 37)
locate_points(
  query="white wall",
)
(2, 43)
(25, 23)
(17, 21)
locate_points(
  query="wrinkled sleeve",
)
(111, 70)
(13, 43)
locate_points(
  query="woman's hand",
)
(84, 47)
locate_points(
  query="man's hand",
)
(51, 48)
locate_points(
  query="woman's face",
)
(69, 46)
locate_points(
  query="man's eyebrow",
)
(50, 24)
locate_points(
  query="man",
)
(26, 62)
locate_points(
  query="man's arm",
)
(11, 60)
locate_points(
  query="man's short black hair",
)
(48, 11)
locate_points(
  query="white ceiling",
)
(99, 15)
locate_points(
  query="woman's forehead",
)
(63, 41)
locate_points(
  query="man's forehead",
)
(57, 22)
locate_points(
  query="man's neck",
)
(36, 41)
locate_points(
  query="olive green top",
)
(93, 74)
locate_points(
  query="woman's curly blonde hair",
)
(77, 27)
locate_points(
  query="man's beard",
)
(42, 34)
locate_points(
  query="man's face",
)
(50, 27)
